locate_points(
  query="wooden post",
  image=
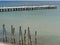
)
(1, 10)
(4, 34)
(35, 37)
(29, 37)
(20, 37)
(25, 37)
(13, 35)
(30, 40)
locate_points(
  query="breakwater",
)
(22, 36)
(21, 8)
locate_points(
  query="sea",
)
(45, 21)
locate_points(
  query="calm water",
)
(46, 22)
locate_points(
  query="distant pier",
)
(22, 8)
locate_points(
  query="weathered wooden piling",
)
(13, 35)
(29, 37)
(35, 37)
(25, 37)
(30, 40)
(20, 37)
(4, 34)
(21, 41)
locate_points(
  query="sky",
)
(29, 0)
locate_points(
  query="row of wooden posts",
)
(22, 40)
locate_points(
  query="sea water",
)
(46, 22)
